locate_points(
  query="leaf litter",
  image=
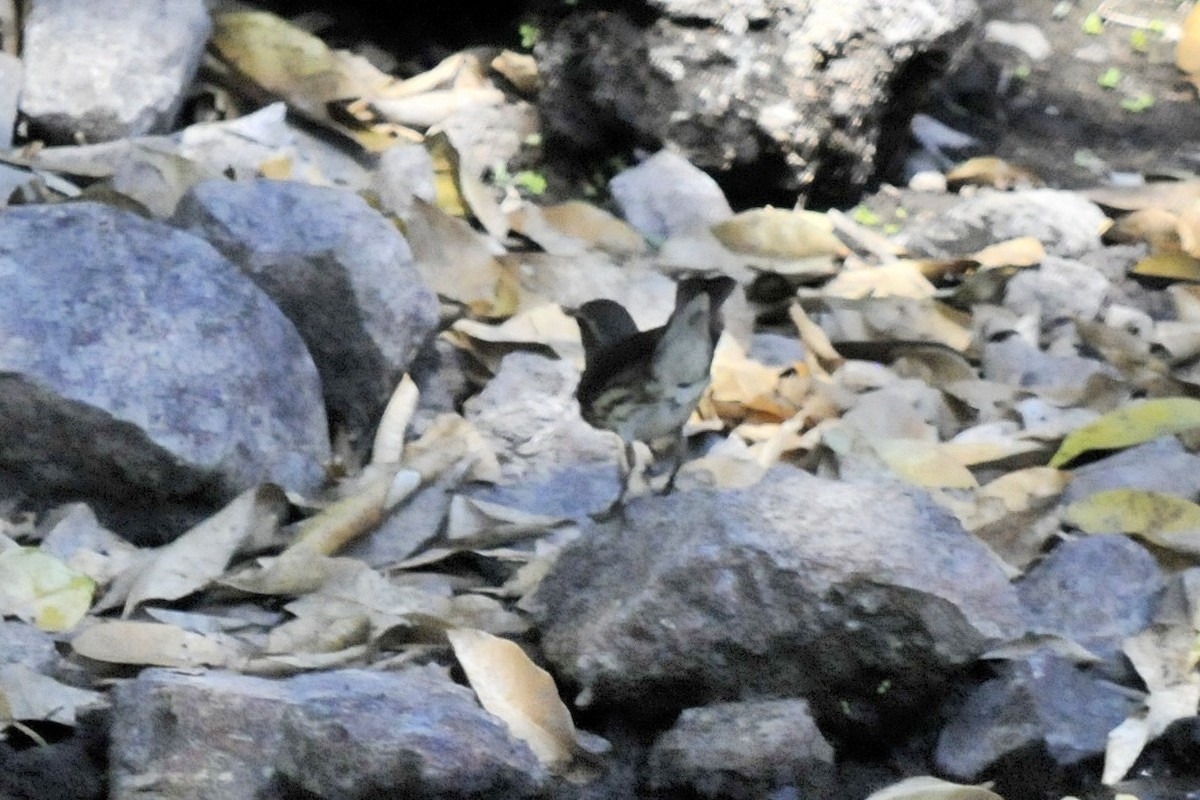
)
(881, 329)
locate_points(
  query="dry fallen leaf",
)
(388, 446)
(154, 644)
(28, 696)
(201, 554)
(292, 64)
(519, 692)
(38, 588)
(990, 171)
(779, 233)
(575, 227)
(929, 788)
(1166, 520)
(1135, 423)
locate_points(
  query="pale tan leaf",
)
(924, 463)
(928, 788)
(332, 529)
(388, 446)
(153, 644)
(519, 692)
(201, 555)
(1023, 251)
(897, 279)
(1187, 51)
(520, 69)
(990, 171)
(779, 233)
(573, 227)
(29, 696)
(453, 443)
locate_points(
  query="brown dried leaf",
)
(519, 692)
(202, 554)
(779, 233)
(990, 171)
(154, 644)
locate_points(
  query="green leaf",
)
(1093, 24)
(1110, 78)
(1136, 423)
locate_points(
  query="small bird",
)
(644, 385)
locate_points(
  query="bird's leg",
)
(676, 463)
(627, 461)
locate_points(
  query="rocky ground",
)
(298, 499)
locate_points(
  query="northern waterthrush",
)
(644, 385)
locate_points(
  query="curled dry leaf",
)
(154, 644)
(29, 696)
(388, 446)
(349, 518)
(1164, 657)
(546, 326)
(1157, 227)
(519, 69)
(202, 554)
(991, 171)
(1189, 230)
(519, 692)
(1136, 423)
(291, 63)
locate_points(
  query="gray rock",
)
(340, 271)
(403, 173)
(1097, 590)
(795, 587)
(1056, 289)
(120, 69)
(339, 734)
(743, 750)
(665, 195)
(732, 84)
(215, 734)
(409, 734)
(1064, 222)
(1043, 704)
(140, 369)
(22, 643)
(1163, 465)
(529, 414)
(1064, 379)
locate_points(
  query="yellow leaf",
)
(1165, 520)
(1176, 266)
(39, 588)
(517, 691)
(1139, 422)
